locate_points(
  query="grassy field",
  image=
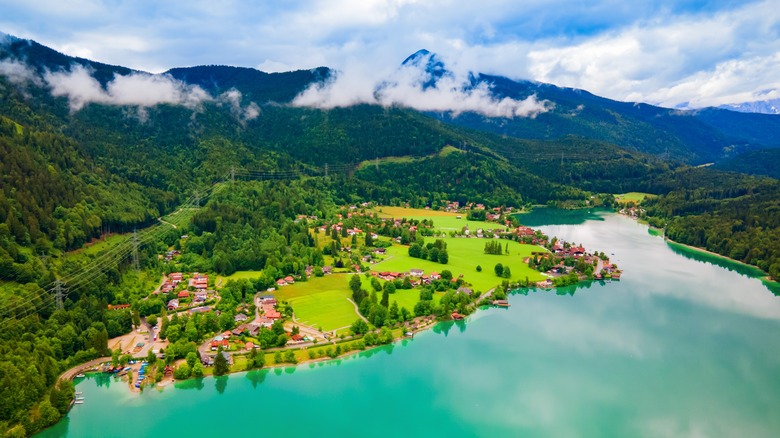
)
(465, 255)
(442, 220)
(239, 275)
(321, 301)
(409, 297)
(633, 197)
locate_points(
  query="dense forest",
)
(728, 213)
(239, 188)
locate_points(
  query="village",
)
(291, 314)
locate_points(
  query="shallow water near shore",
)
(679, 347)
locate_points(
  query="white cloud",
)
(138, 89)
(232, 98)
(669, 52)
(404, 87)
(694, 60)
(18, 73)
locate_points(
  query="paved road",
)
(599, 266)
(71, 373)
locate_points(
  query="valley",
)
(232, 218)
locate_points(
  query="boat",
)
(80, 375)
(79, 393)
(79, 402)
(501, 303)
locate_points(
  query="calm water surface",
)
(679, 347)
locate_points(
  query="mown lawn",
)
(633, 197)
(321, 301)
(464, 256)
(239, 275)
(442, 220)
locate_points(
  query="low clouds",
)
(413, 86)
(676, 53)
(137, 89)
(140, 90)
(18, 73)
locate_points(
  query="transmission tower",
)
(58, 294)
(326, 169)
(232, 174)
(136, 264)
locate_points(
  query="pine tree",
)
(221, 366)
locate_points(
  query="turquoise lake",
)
(684, 345)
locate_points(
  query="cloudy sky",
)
(676, 53)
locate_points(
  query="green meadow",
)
(636, 197)
(321, 301)
(442, 220)
(464, 257)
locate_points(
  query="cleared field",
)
(321, 301)
(409, 297)
(633, 197)
(464, 256)
(240, 275)
(442, 220)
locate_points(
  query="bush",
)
(182, 372)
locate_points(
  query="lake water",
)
(679, 347)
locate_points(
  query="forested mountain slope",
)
(81, 157)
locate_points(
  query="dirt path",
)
(166, 222)
(357, 309)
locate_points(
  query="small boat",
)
(80, 375)
(79, 402)
(79, 393)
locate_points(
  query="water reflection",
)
(220, 383)
(731, 265)
(553, 216)
(256, 377)
(190, 384)
(101, 379)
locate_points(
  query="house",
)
(416, 272)
(271, 313)
(380, 251)
(183, 294)
(200, 296)
(199, 281)
(457, 316)
(225, 354)
(253, 329)
(219, 341)
(465, 290)
(281, 282)
(435, 276)
(238, 331)
(173, 304)
(240, 317)
(327, 270)
(175, 277)
(249, 346)
(265, 322)
(289, 279)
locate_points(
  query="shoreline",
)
(172, 382)
(763, 277)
